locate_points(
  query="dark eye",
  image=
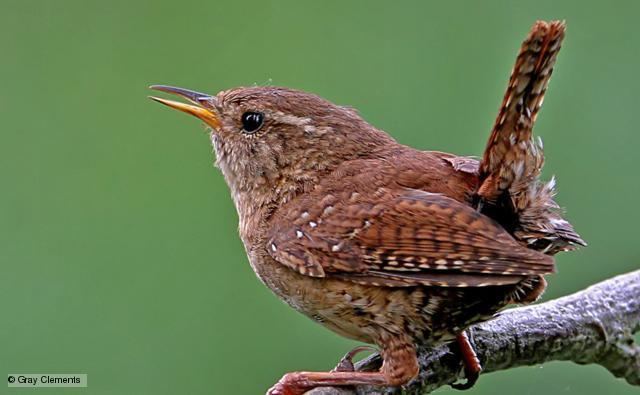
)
(251, 121)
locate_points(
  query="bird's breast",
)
(365, 313)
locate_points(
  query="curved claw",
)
(346, 363)
(472, 366)
(471, 377)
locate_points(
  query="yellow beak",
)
(198, 110)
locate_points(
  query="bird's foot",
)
(346, 363)
(472, 366)
(297, 383)
(287, 386)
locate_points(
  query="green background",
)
(119, 251)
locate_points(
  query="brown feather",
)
(512, 159)
(510, 190)
(392, 236)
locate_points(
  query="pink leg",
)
(297, 383)
(399, 367)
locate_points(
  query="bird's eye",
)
(251, 121)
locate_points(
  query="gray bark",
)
(595, 325)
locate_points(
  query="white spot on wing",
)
(327, 210)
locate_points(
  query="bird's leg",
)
(346, 363)
(297, 383)
(400, 365)
(472, 366)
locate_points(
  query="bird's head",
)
(272, 143)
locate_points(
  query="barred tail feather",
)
(510, 190)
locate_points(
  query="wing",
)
(407, 239)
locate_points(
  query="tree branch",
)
(595, 325)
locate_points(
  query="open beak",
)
(199, 99)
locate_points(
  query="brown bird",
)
(378, 241)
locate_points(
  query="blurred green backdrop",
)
(118, 240)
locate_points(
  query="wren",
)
(380, 242)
